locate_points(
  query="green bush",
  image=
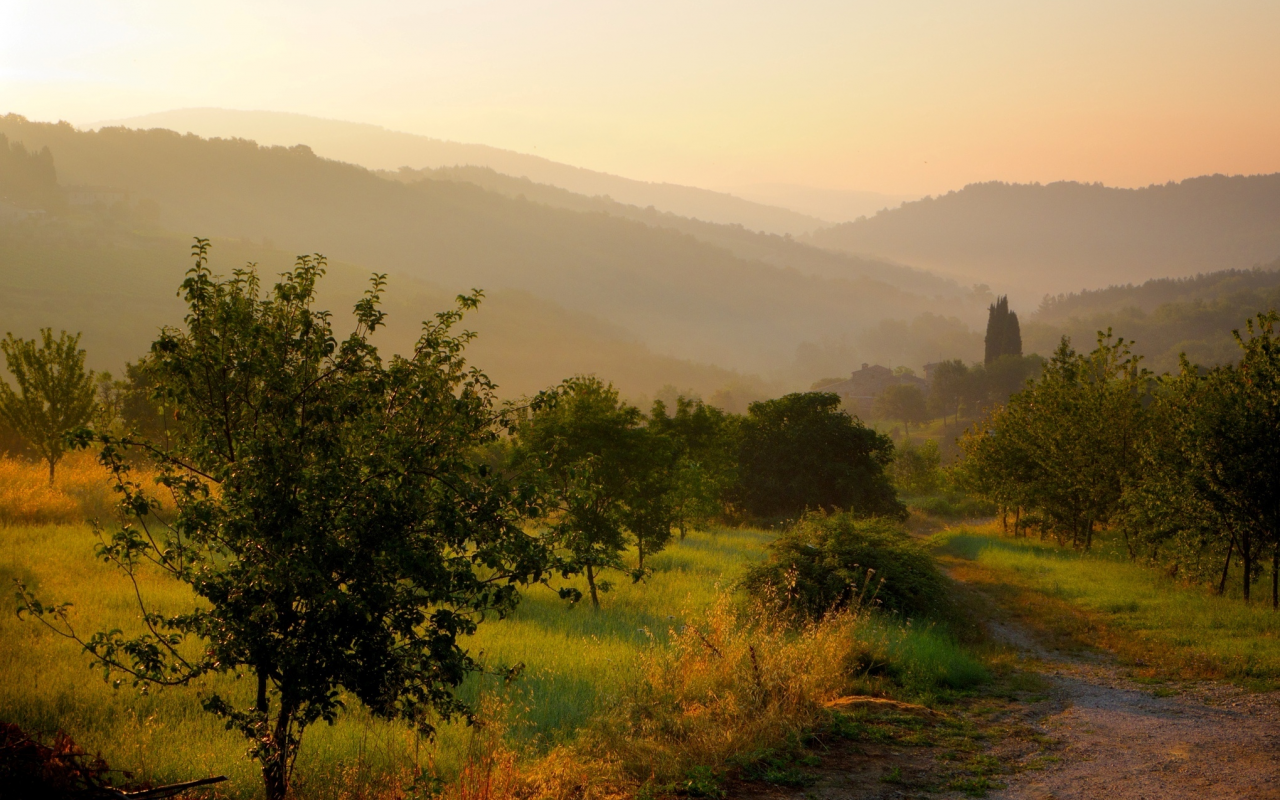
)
(952, 505)
(826, 561)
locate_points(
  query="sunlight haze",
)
(902, 99)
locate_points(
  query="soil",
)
(1085, 730)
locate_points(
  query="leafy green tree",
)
(605, 477)
(802, 452)
(903, 402)
(946, 390)
(1069, 443)
(917, 470)
(326, 507)
(55, 394)
(705, 445)
(1225, 440)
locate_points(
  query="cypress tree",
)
(1004, 335)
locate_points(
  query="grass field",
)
(574, 658)
(580, 665)
(1157, 624)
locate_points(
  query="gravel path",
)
(1118, 740)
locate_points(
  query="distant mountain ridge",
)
(1164, 318)
(678, 294)
(1060, 237)
(375, 147)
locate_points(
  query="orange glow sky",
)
(900, 97)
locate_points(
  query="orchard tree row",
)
(1185, 466)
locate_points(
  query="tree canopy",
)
(802, 452)
(324, 504)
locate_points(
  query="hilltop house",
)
(862, 387)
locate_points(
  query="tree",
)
(904, 402)
(605, 477)
(946, 391)
(324, 505)
(1004, 335)
(802, 452)
(704, 458)
(1067, 445)
(1225, 437)
(54, 392)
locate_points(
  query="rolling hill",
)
(679, 295)
(1036, 239)
(93, 273)
(1164, 317)
(376, 147)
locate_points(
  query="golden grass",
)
(82, 490)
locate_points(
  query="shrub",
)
(826, 562)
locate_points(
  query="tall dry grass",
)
(726, 682)
(82, 491)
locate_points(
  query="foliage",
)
(28, 180)
(705, 443)
(604, 476)
(947, 387)
(902, 401)
(802, 452)
(1004, 336)
(325, 509)
(31, 770)
(54, 392)
(1213, 465)
(828, 562)
(917, 469)
(1066, 447)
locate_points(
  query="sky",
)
(899, 97)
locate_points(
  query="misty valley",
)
(340, 462)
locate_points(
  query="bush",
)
(916, 469)
(827, 562)
(953, 505)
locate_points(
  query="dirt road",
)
(1120, 740)
(1087, 732)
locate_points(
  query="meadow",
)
(1158, 624)
(579, 664)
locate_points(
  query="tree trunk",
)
(1246, 555)
(1088, 537)
(1017, 519)
(1222, 584)
(53, 462)
(640, 550)
(591, 582)
(275, 767)
(1275, 577)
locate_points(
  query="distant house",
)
(864, 385)
(93, 195)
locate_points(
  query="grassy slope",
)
(573, 657)
(1153, 622)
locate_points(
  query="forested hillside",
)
(781, 251)
(1061, 237)
(376, 147)
(673, 292)
(93, 274)
(1164, 317)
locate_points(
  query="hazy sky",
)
(892, 96)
